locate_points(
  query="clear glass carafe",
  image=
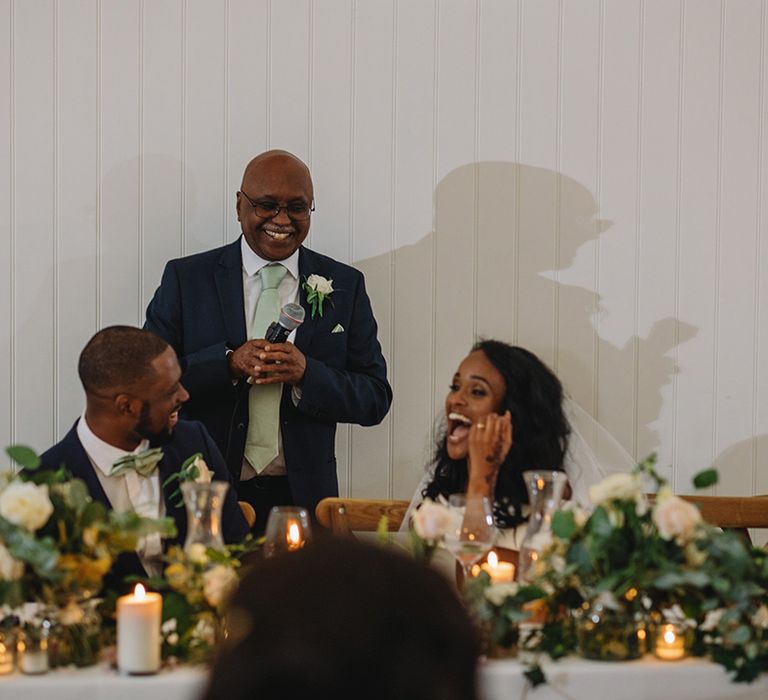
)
(204, 503)
(545, 491)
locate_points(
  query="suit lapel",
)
(77, 462)
(306, 331)
(229, 285)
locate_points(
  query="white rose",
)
(497, 593)
(11, 569)
(26, 504)
(676, 518)
(320, 284)
(623, 487)
(196, 553)
(432, 520)
(218, 584)
(204, 474)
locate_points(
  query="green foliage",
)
(24, 456)
(705, 479)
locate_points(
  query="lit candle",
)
(499, 571)
(6, 655)
(138, 631)
(670, 644)
(293, 536)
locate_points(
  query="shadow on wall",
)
(505, 231)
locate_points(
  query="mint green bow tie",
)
(143, 463)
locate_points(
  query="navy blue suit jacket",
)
(187, 438)
(199, 310)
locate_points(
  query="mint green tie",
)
(264, 400)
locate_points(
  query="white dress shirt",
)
(289, 294)
(128, 491)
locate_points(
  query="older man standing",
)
(273, 407)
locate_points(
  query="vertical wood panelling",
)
(455, 196)
(247, 96)
(7, 278)
(413, 245)
(120, 213)
(538, 185)
(698, 234)
(618, 198)
(162, 157)
(658, 329)
(587, 179)
(77, 183)
(580, 221)
(34, 245)
(760, 478)
(289, 79)
(738, 241)
(497, 171)
(372, 219)
(205, 78)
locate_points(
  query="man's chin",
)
(160, 438)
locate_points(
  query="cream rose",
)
(26, 504)
(432, 520)
(497, 593)
(320, 284)
(218, 584)
(623, 487)
(197, 553)
(676, 518)
(11, 569)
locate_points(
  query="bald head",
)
(274, 203)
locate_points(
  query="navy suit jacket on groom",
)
(187, 438)
(199, 310)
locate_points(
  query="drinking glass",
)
(288, 529)
(473, 532)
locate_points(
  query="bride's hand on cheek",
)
(490, 440)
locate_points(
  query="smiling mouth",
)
(278, 236)
(458, 426)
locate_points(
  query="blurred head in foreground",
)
(346, 620)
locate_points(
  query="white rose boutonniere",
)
(26, 504)
(318, 289)
(194, 469)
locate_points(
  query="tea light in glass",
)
(670, 643)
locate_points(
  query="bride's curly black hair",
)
(540, 430)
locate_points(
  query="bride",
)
(506, 414)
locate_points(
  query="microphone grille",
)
(291, 316)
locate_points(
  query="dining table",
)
(498, 679)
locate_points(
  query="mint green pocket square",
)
(338, 328)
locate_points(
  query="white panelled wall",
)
(586, 178)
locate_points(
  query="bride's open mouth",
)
(458, 426)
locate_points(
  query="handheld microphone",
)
(291, 317)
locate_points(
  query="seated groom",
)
(133, 395)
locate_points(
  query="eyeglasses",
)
(267, 209)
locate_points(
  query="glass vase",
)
(611, 633)
(545, 491)
(204, 503)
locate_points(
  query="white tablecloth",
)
(569, 679)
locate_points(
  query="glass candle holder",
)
(670, 642)
(288, 530)
(32, 649)
(7, 651)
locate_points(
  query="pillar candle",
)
(138, 632)
(499, 571)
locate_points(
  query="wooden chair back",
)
(345, 515)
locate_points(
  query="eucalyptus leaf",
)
(23, 456)
(740, 635)
(706, 478)
(563, 524)
(40, 553)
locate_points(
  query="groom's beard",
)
(156, 439)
